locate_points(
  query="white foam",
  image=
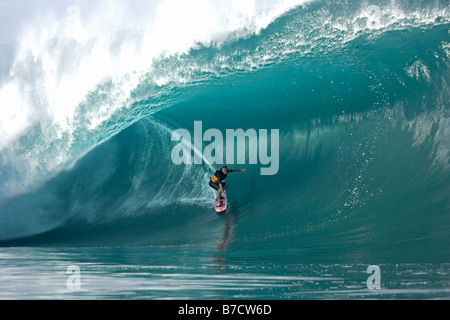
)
(418, 70)
(14, 115)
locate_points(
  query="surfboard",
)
(222, 207)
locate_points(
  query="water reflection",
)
(227, 234)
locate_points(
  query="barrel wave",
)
(359, 93)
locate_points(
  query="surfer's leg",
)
(215, 186)
(222, 194)
(218, 198)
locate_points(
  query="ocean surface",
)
(92, 205)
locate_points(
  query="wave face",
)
(359, 93)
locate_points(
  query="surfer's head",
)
(225, 169)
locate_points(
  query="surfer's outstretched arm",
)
(237, 170)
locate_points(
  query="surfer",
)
(216, 181)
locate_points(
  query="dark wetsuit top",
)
(217, 178)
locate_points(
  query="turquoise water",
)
(359, 94)
(194, 272)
